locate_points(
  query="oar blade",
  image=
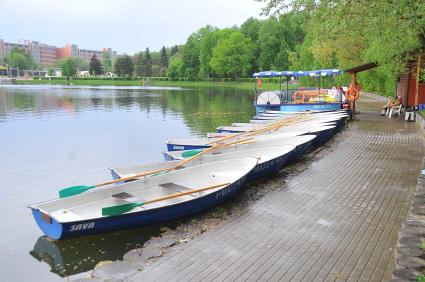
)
(120, 209)
(191, 153)
(74, 190)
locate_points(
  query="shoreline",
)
(97, 82)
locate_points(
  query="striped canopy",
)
(297, 73)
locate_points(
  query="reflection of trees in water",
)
(205, 109)
(202, 109)
(96, 101)
(16, 101)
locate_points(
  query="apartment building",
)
(48, 55)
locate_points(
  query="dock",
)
(336, 221)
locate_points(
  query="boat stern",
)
(47, 224)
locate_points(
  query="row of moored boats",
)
(198, 173)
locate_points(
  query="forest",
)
(306, 35)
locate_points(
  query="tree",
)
(190, 57)
(138, 63)
(174, 50)
(174, 69)
(95, 67)
(19, 58)
(146, 64)
(208, 37)
(156, 56)
(124, 66)
(80, 64)
(281, 60)
(107, 61)
(269, 42)
(251, 28)
(163, 59)
(232, 55)
(51, 72)
(68, 68)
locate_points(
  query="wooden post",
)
(354, 82)
(418, 73)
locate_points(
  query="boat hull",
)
(57, 230)
(323, 136)
(270, 166)
(300, 150)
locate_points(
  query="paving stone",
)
(138, 256)
(410, 262)
(117, 270)
(405, 275)
(161, 242)
(409, 240)
(411, 252)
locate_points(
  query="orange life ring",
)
(298, 101)
(353, 92)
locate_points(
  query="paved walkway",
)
(337, 220)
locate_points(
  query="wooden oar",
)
(266, 127)
(120, 209)
(274, 126)
(75, 190)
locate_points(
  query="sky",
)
(127, 26)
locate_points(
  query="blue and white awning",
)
(314, 73)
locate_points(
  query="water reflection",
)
(202, 109)
(74, 256)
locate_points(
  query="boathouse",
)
(411, 82)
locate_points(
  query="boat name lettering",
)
(226, 190)
(178, 147)
(82, 226)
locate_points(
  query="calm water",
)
(53, 137)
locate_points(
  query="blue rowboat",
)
(302, 144)
(84, 213)
(270, 160)
(184, 144)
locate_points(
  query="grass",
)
(185, 84)
(420, 278)
(422, 246)
(240, 85)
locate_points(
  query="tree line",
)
(297, 35)
(237, 52)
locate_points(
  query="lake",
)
(53, 137)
